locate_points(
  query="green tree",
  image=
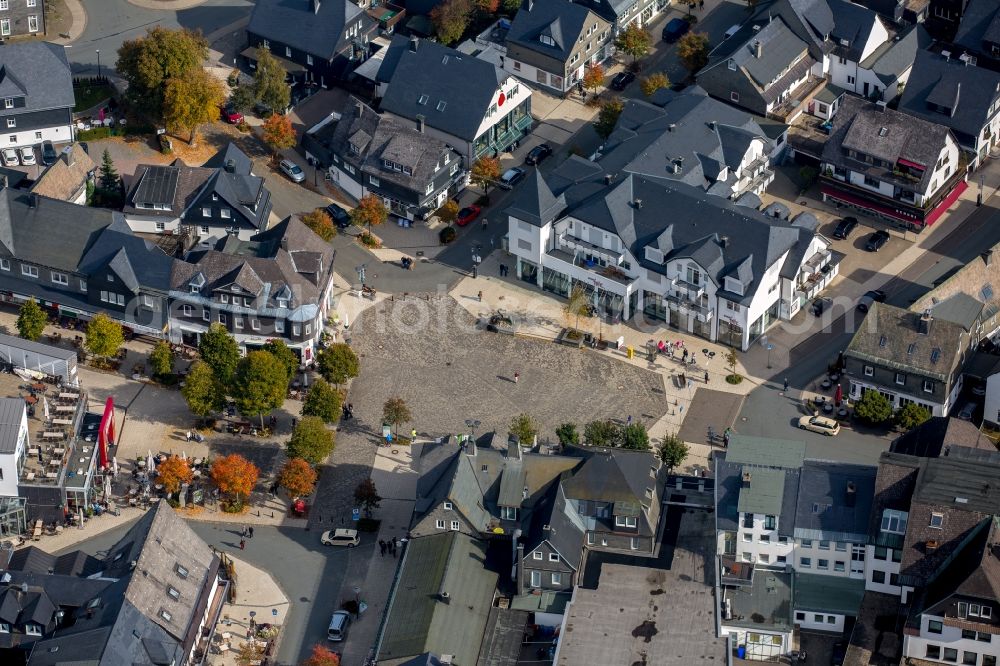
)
(311, 440)
(607, 117)
(31, 320)
(260, 384)
(220, 351)
(104, 336)
(634, 41)
(873, 408)
(485, 172)
(366, 495)
(510, 7)
(634, 436)
(692, 49)
(321, 223)
(655, 81)
(910, 415)
(243, 98)
(323, 401)
(149, 62)
(450, 19)
(524, 428)
(396, 412)
(672, 451)
(202, 390)
(731, 360)
(567, 434)
(270, 85)
(577, 304)
(601, 433)
(338, 363)
(161, 359)
(286, 356)
(110, 180)
(192, 100)
(370, 212)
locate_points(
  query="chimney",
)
(284, 243)
(758, 49)
(314, 6)
(608, 178)
(724, 241)
(746, 479)
(444, 597)
(420, 123)
(670, 127)
(230, 166)
(880, 106)
(514, 448)
(414, 43)
(756, 28)
(470, 447)
(946, 55)
(712, 124)
(987, 256)
(67, 155)
(524, 496)
(924, 323)
(32, 200)
(520, 572)
(852, 494)
(359, 108)
(638, 204)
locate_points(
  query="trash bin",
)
(629, 351)
(741, 652)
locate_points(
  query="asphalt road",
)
(767, 412)
(112, 22)
(308, 574)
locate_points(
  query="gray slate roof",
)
(729, 491)
(891, 338)
(960, 308)
(459, 88)
(943, 435)
(980, 26)
(292, 22)
(419, 621)
(893, 58)
(562, 20)
(886, 134)
(553, 520)
(853, 23)
(969, 92)
(825, 508)
(11, 411)
(39, 72)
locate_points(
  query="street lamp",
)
(597, 306)
(361, 275)
(769, 348)
(98, 64)
(472, 424)
(476, 259)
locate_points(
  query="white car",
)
(28, 156)
(340, 537)
(293, 171)
(820, 424)
(10, 157)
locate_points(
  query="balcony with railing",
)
(796, 103)
(577, 261)
(681, 301)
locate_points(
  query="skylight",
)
(987, 292)
(883, 131)
(423, 100)
(910, 349)
(173, 592)
(441, 105)
(181, 570)
(883, 341)
(935, 355)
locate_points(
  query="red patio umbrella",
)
(838, 396)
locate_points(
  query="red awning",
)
(946, 203)
(911, 164)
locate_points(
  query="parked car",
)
(538, 153)
(873, 296)
(839, 653)
(675, 29)
(293, 171)
(28, 156)
(967, 410)
(339, 216)
(820, 305)
(10, 157)
(467, 214)
(877, 240)
(231, 115)
(621, 80)
(820, 424)
(340, 537)
(511, 177)
(845, 227)
(49, 154)
(339, 624)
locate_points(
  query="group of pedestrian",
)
(247, 533)
(348, 411)
(504, 271)
(388, 546)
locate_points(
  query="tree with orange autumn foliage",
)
(235, 476)
(278, 132)
(322, 656)
(173, 472)
(297, 477)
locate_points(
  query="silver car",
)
(28, 156)
(10, 157)
(293, 171)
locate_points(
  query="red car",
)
(467, 214)
(231, 115)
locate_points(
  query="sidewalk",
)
(79, 23)
(257, 593)
(396, 481)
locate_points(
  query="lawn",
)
(89, 95)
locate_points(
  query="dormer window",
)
(448, 506)
(194, 289)
(282, 302)
(894, 521)
(625, 521)
(547, 40)
(8, 103)
(224, 298)
(33, 629)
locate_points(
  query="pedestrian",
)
(706, 377)
(786, 385)
(517, 375)
(250, 530)
(701, 5)
(243, 544)
(189, 435)
(413, 435)
(480, 296)
(628, 421)
(294, 421)
(685, 355)
(243, 532)
(395, 543)
(381, 547)
(485, 223)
